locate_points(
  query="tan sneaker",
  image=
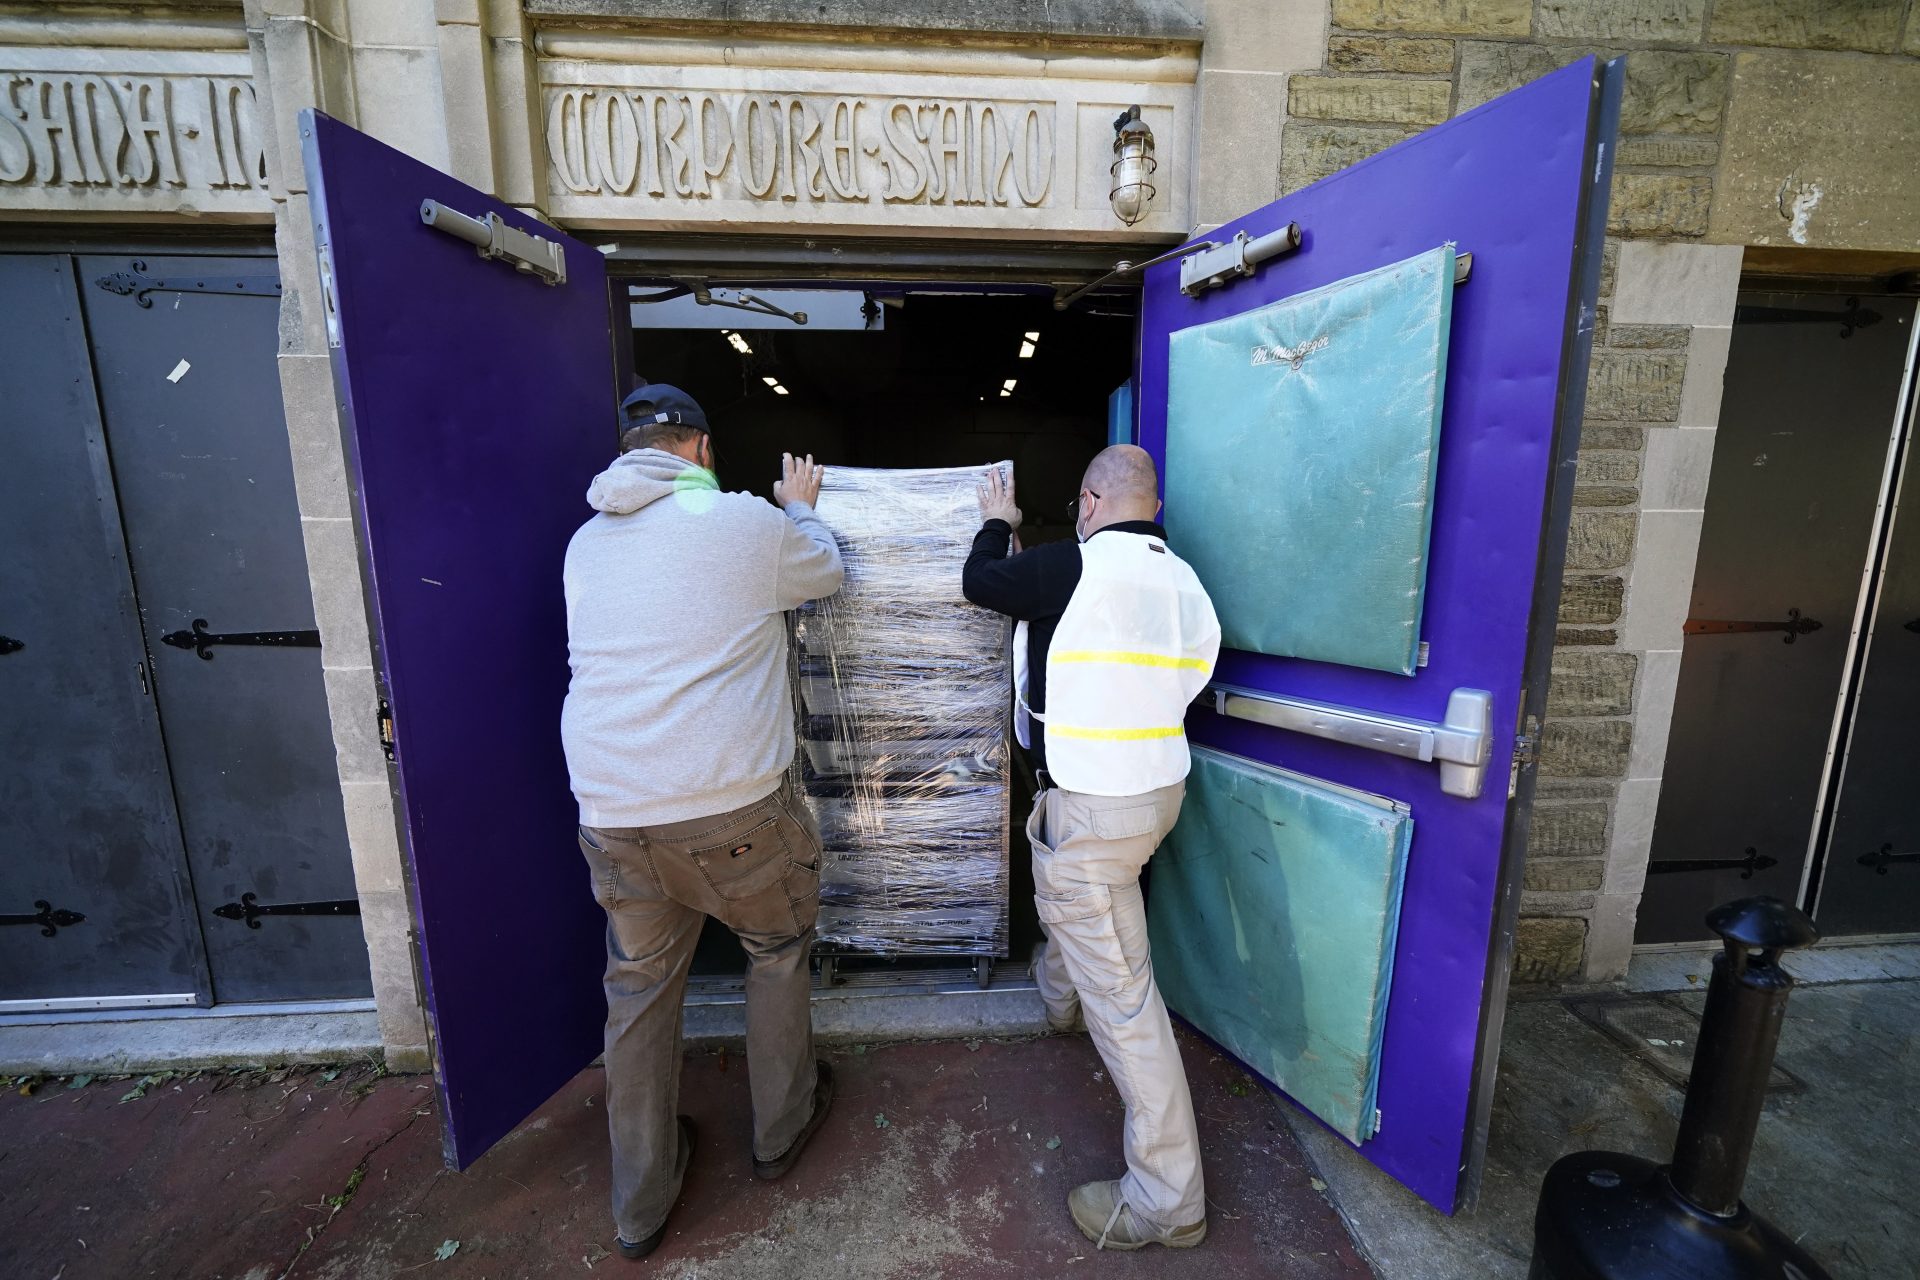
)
(1107, 1220)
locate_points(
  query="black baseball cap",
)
(652, 402)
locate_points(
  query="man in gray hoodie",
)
(678, 730)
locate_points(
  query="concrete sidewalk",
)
(1836, 1157)
(942, 1160)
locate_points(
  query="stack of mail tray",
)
(903, 694)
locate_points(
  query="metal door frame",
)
(849, 263)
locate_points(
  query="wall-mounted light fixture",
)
(1133, 167)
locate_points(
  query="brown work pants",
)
(757, 871)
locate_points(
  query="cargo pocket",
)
(1125, 824)
(746, 864)
(1081, 925)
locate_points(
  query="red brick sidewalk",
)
(941, 1160)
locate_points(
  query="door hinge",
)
(1753, 860)
(146, 688)
(200, 640)
(1526, 754)
(1883, 857)
(49, 918)
(249, 910)
(383, 719)
(136, 284)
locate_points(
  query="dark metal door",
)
(1811, 391)
(1870, 882)
(95, 900)
(481, 400)
(1521, 185)
(191, 399)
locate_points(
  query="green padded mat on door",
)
(1303, 435)
(1272, 913)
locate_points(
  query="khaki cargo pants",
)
(757, 871)
(1087, 855)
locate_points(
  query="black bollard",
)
(1608, 1216)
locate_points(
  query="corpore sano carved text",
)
(696, 145)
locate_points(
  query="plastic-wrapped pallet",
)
(904, 690)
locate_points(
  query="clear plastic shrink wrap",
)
(903, 693)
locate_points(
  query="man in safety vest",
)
(1115, 637)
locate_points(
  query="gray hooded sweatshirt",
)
(679, 706)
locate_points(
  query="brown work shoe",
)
(1107, 1220)
(822, 1099)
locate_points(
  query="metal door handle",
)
(1460, 744)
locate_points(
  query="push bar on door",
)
(1461, 744)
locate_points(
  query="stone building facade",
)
(1757, 135)
(1762, 123)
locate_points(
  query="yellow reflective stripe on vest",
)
(1111, 735)
(1127, 658)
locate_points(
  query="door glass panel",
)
(86, 814)
(1798, 461)
(1304, 434)
(1276, 900)
(191, 395)
(1871, 881)
(480, 404)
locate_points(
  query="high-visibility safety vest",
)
(1136, 645)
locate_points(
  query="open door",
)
(1371, 472)
(470, 351)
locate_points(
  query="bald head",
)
(1129, 487)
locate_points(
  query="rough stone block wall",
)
(1706, 79)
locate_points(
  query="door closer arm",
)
(704, 294)
(522, 250)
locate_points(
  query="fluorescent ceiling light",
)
(1026, 351)
(1007, 387)
(738, 343)
(1032, 335)
(772, 382)
(779, 390)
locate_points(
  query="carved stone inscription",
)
(696, 145)
(71, 130)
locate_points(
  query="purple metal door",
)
(1520, 184)
(481, 402)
